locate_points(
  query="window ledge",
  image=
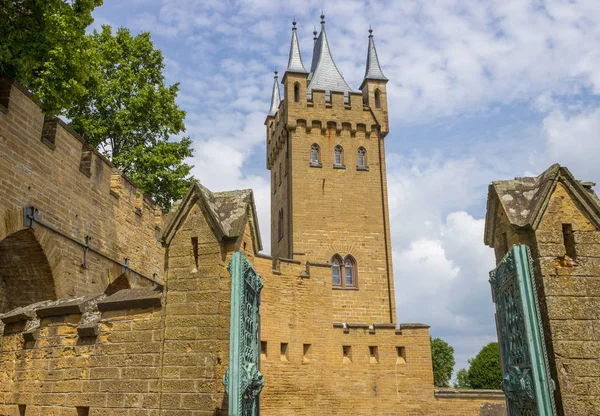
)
(315, 165)
(344, 288)
(339, 166)
(362, 168)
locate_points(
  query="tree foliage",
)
(462, 379)
(44, 47)
(129, 114)
(485, 371)
(442, 355)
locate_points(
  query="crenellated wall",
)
(76, 193)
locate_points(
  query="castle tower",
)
(326, 154)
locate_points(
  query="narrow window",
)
(336, 278)
(401, 353)
(349, 272)
(280, 225)
(347, 354)
(284, 352)
(263, 350)
(569, 240)
(377, 99)
(274, 181)
(339, 155)
(362, 157)
(82, 410)
(280, 173)
(314, 154)
(373, 355)
(22, 408)
(195, 248)
(296, 93)
(504, 243)
(305, 351)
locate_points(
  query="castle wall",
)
(570, 291)
(308, 368)
(79, 194)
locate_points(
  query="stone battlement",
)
(80, 222)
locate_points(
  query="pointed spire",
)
(324, 72)
(276, 97)
(295, 60)
(373, 70)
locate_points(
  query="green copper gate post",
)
(243, 380)
(527, 383)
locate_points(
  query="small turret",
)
(295, 60)
(275, 97)
(373, 86)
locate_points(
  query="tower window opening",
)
(315, 155)
(349, 271)
(195, 249)
(336, 278)
(274, 181)
(361, 157)
(569, 240)
(373, 355)
(338, 155)
(280, 173)
(296, 92)
(377, 99)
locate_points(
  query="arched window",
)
(296, 92)
(361, 157)
(349, 271)
(315, 154)
(339, 155)
(336, 270)
(377, 99)
(280, 225)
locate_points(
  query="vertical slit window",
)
(195, 249)
(296, 93)
(569, 240)
(280, 224)
(263, 349)
(82, 410)
(373, 355)
(284, 352)
(377, 99)
(22, 409)
(347, 354)
(401, 355)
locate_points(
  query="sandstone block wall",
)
(77, 192)
(571, 291)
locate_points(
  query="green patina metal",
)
(527, 383)
(243, 380)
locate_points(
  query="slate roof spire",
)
(373, 69)
(324, 72)
(295, 60)
(276, 97)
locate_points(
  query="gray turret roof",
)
(373, 70)
(295, 60)
(276, 97)
(324, 72)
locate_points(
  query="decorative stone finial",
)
(276, 72)
(370, 31)
(294, 23)
(322, 17)
(315, 33)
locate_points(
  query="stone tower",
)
(325, 151)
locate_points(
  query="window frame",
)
(312, 163)
(364, 166)
(297, 92)
(377, 98)
(338, 150)
(342, 272)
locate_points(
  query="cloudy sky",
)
(478, 91)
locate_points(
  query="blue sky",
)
(491, 91)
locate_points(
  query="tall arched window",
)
(361, 157)
(315, 155)
(296, 92)
(338, 155)
(377, 99)
(349, 271)
(280, 225)
(336, 270)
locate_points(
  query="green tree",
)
(485, 371)
(442, 355)
(462, 379)
(44, 46)
(129, 114)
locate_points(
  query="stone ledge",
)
(131, 299)
(384, 326)
(67, 307)
(414, 326)
(468, 394)
(319, 264)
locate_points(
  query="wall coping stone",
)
(65, 307)
(450, 393)
(131, 299)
